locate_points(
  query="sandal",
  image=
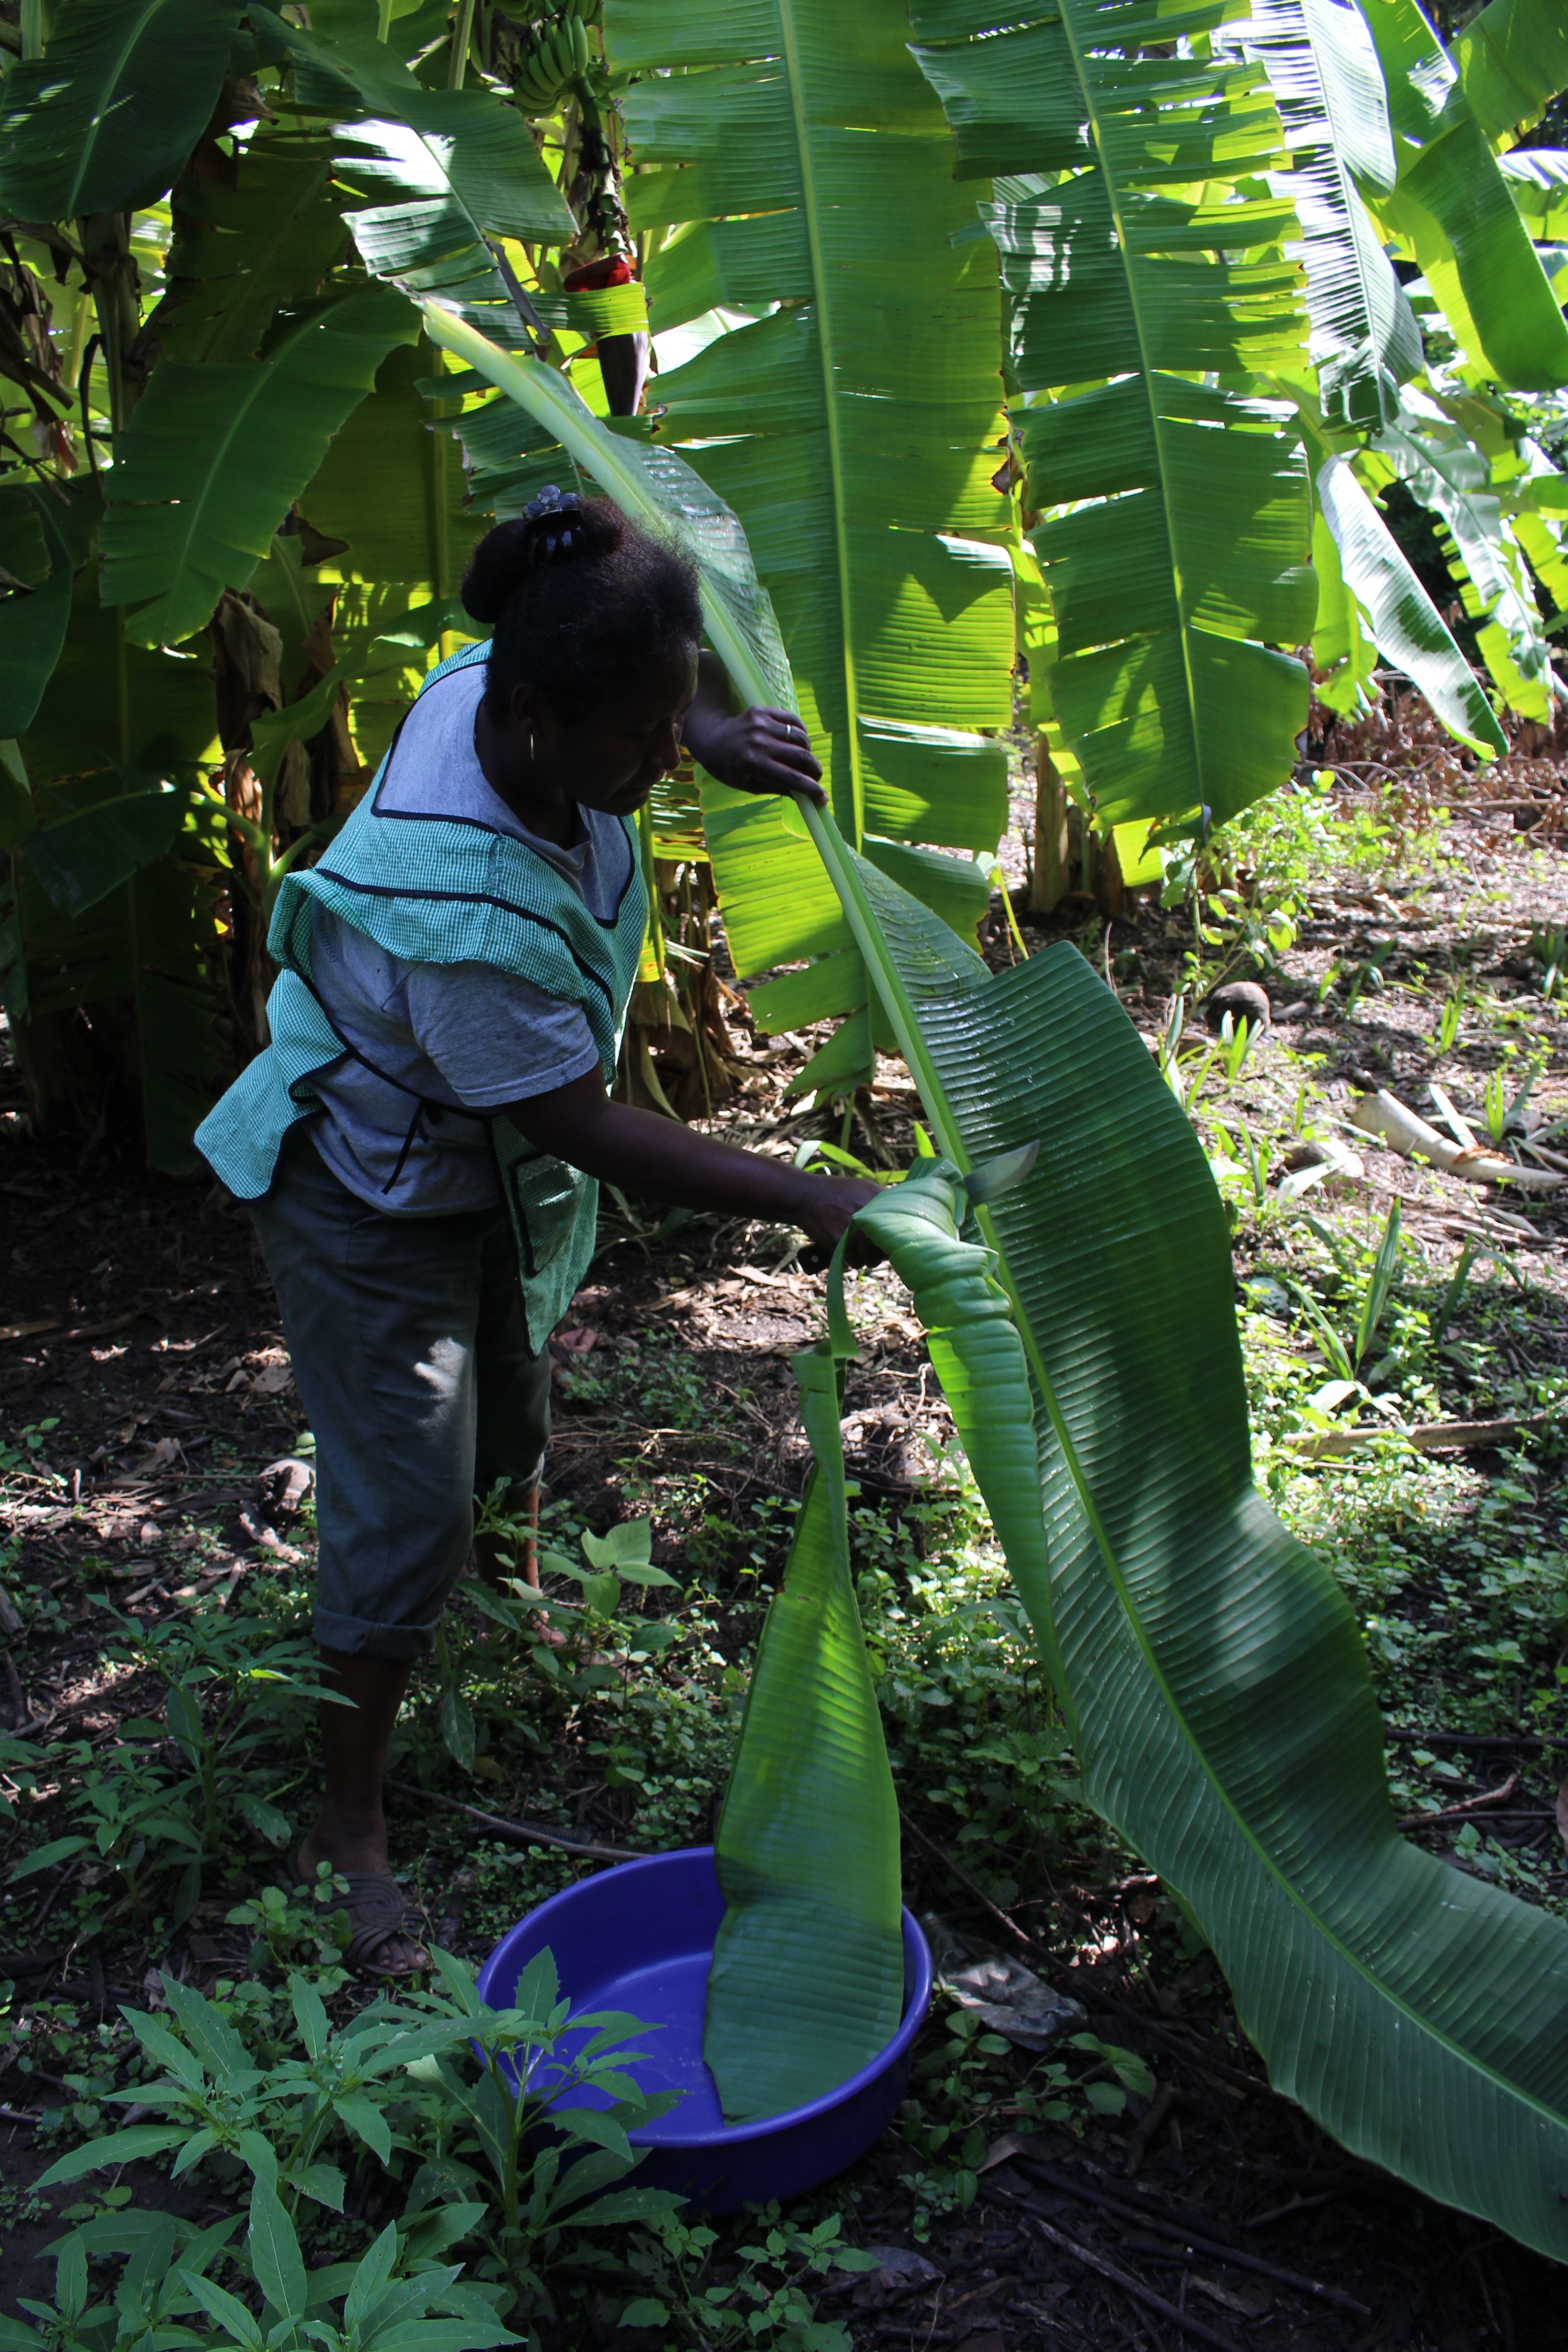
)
(377, 1912)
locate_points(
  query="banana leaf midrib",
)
(794, 79)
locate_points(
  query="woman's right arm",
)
(645, 1153)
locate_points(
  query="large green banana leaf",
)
(1538, 178)
(1405, 625)
(32, 631)
(248, 248)
(1512, 60)
(213, 456)
(104, 119)
(1450, 475)
(1323, 70)
(1184, 559)
(1224, 1711)
(108, 701)
(437, 171)
(1452, 210)
(793, 156)
(807, 1979)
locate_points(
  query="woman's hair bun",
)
(555, 528)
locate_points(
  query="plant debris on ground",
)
(1133, 2181)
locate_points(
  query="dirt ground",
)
(136, 1319)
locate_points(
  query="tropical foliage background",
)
(1140, 343)
(1173, 347)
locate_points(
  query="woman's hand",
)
(827, 1206)
(758, 750)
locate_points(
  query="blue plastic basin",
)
(640, 1938)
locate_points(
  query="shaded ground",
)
(144, 1383)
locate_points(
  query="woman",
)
(421, 1140)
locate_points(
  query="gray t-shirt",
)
(462, 1037)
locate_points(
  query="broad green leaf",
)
(226, 2309)
(80, 858)
(1452, 210)
(1226, 1718)
(210, 2035)
(111, 701)
(1323, 70)
(801, 159)
(874, 665)
(105, 119)
(126, 2147)
(808, 1979)
(1406, 626)
(1538, 181)
(44, 1857)
(395, 489)
(436, 171)
(978, 1356)
(1450, 477)
(245, 249)
(1184, 560)
(32, 631)
(628, 1545)
(1512, 60)
(1341, 646)
(214, 455)
(274, 2256)
(375, 2270)
(457, 1727)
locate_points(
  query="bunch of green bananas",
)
(561, 55)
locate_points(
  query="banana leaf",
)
(1323, 70)
(1452, 211)
(1449, 475)
(1224, 1710)
(1184, 559)
(245, 249)
(1512, 61)
(436, 171)
(1538, 179)
(108, 701)
(1406, 626)
(793, 155)
(1342, 647)
(95, 848)
(214, 455)
(807, 1979)
(32, 631)
(104, 119)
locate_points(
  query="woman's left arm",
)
(756, 750)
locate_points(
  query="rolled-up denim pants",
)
(409, 1345)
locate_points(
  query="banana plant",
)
(1211, 1671)
(794, 163)
(1328, 84)
(1176, 535)
(1451, 209)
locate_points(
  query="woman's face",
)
(612, 759)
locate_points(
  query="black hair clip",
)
(551, 516)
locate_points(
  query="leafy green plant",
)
(765, 2300)
(527, 2078)
(1449, 1018)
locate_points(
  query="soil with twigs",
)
(144, 1384)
